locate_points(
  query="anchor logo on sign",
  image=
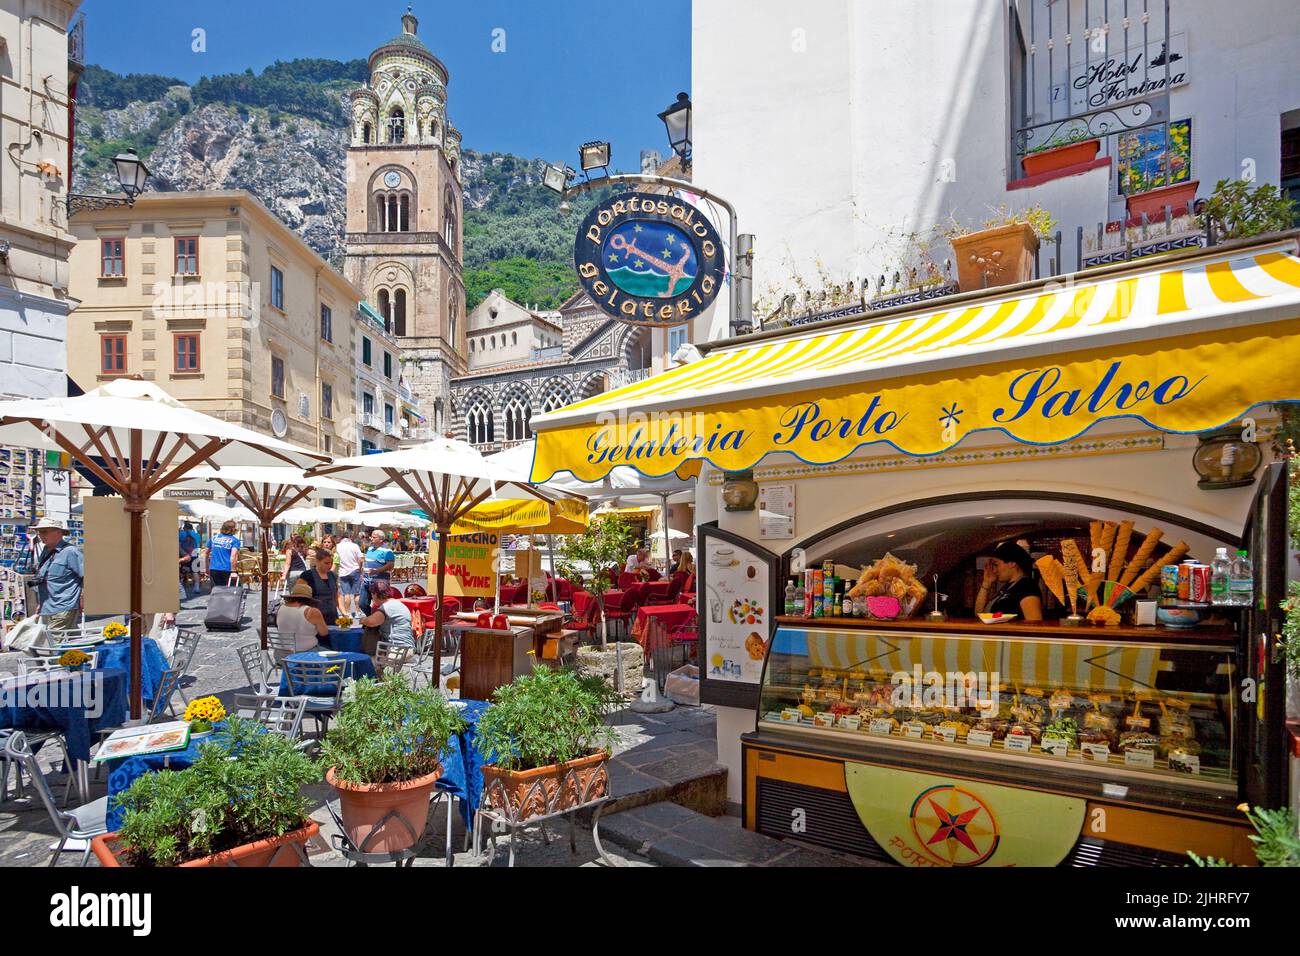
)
(675, 270)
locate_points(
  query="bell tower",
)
(404, 205)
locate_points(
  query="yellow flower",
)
(73, 658)
(115, 629)
(1244, 807)
(207, 709)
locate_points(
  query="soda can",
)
(1185, 580)
(1200, 589)
(1169, 581)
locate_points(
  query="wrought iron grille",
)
(1092, 69)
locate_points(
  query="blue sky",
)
(571, 72)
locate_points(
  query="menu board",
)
(150, 739)
(776, 511)
(736, 603)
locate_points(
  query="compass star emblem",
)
(954, 826)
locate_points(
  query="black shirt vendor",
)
(1008, 586)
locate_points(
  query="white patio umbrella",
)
(445, 478)
(318, 514)
(269, 493)
(138, 440)
(215, 511)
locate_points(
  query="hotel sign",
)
(647, 259)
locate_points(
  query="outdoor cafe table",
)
(343, 639)
(116, 655)
(427, 606)
(656, 589)
(356, 664)
(64, 701)
(462, 765)
(669, 615)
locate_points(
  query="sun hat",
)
(48, 524)
(301, 589)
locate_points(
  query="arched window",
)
(404, 208)
(366, 133)
(385, 308)
(514, 338)
(494, 341)
(479, 425)
(397, 126)
(399, 312)
(517, 418)
(558, 394)
(453, 314)
(381, 213)
(471, 345)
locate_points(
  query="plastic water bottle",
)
(800, 599)
(1220, 572)
(1241, 580)
(789, 598)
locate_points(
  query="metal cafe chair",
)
(256, 668)
(279, 715)
(81, 823)
(187, 642)
(390, 656)
(321, 682)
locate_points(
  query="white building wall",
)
(839, 127)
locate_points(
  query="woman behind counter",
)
(1008, 586)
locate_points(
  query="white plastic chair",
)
(81, 823)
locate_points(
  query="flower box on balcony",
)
(1060, 157)
(1003, 255)
(1153, 202)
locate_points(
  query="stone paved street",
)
(662, 756)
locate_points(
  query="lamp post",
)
(132, 174)
(677, 120)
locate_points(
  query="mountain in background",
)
(282, 135)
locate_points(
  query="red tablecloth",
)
(427, 606)
(668, 615)
(656, 589)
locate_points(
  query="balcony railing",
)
(1122, 240)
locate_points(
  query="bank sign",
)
(646, 259)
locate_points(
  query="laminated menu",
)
(150, 739)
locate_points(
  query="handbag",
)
(28, 633)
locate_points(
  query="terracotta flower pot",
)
(274, 851)
(1003, 255)
(365, 805)
(1060, 157)
(560, 786)
(1153, 201)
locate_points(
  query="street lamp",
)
(594, 157)
(132, 174)
(677, 120)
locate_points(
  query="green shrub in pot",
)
(550, 716)
(245, 786)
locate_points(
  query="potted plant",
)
(545, 743)
(114, 630)
(606, 542)
(239, 804)
(1002, 251)
(202, 714)
(384, 756)
(1276, 839)
(1057, 154)
(1241, 211)
(1155, 171)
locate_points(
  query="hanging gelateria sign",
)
(649, 260)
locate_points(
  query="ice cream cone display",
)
(1070, 551)
(1152, 574)
(1053, 573)
(1120, 554)
(1143, 557)
(1094, 535)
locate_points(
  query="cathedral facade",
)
(404, 215)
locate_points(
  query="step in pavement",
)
(672, 835)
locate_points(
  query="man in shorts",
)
(350, 559)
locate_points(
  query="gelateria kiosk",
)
(931, 433)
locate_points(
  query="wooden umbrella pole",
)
(266, 536)
(135, 506)
(440, 611)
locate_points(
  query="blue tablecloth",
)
(124, 772)
(116, 655)
(357, 666)
(343, 639)
(462, 767)
(75, 703)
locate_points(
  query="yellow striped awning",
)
(1183, 347)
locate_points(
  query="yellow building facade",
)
(223, 306)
